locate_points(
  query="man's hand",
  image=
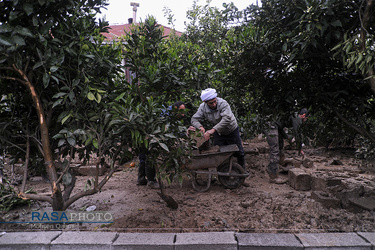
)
(208, 134)
(191, 128)
(202, 130)
(302, 153)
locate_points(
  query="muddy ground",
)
(342, 200)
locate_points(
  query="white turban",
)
(208, 94)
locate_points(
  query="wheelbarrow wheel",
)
(231, 182)
(202, 182)
(201, 179)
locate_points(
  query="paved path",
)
(182, 241)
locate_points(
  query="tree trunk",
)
(57, 198)
(365, 27)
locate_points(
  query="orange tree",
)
(314, 54)
(56, 77)
(142, 108)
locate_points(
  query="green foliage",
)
(59, 48)
(56, 71)
(9, 198)
(155, 66)
(142, 120)
(147, 130)
(288, 63)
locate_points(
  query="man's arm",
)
(227, 117)
(197, 117)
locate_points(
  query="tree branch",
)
(37, 197)
(361, 131)
(26, 167)
(72, 199)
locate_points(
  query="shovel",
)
(167, 198)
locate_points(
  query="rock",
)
(308, 163)
(367, 203)
(326, 199)
(318, 182)
(299, 179)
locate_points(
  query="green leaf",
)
(88, 141)
(46, 79)
(61, 142)
(71, 141)
(23, 31)
(94, 118)
(98, 97)
(90, 56)
(71, 95)
(165, 147)
(55, 79)
(19, 40)
(285, 46)
(170, 136)
(58, 95)
(58, 136)
(336, 23)
(54, 69)
(28, 8)
(58, 102)
(90, 96)
(5, 28)
(79, 132)
(35, 20)
(65, 118)
(95, 143)
(119, 97)
(5, 41)
(76, 82)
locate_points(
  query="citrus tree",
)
(54, 68)
(294, 63)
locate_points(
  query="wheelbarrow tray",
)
(216, 163)
(212, 159)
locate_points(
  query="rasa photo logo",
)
(71, 217)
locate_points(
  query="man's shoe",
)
(153, 185)
(142, 182)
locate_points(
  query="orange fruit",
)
(132, 164)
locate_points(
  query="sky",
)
(119, 11)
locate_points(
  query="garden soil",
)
(345, 203)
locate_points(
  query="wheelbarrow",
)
(206, 165)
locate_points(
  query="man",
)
(146, 174)
(275, 140)
(225, 128)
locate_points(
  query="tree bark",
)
(360, 131)
(57, 199)
(364, 30)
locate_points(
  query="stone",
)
(326, 199)
(308, 163)
(367, 203)
(318, 182)
(299, 179)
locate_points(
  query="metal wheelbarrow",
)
(203, 166)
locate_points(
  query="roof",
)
(116, 31)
